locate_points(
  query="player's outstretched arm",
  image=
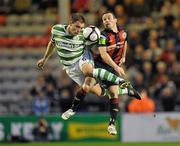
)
(49, 51)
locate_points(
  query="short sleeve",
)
(56, 31)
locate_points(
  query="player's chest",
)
(116, 40)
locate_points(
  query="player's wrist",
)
(116, 68)
(44, 59)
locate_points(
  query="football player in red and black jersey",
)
(111, 55)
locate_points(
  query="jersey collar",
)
(65, 28)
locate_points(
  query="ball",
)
(91, 33)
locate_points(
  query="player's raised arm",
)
(48, 53)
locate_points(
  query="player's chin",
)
(107, 25)
(76, 33)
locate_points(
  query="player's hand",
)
(40, 63)
(122, 60)
(120, 71)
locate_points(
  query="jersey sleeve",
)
(103, 40)
(56, 31)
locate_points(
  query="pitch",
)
(94, 144)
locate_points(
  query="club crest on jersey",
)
(84, 59)
(124, 35)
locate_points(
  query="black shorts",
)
(99, 64)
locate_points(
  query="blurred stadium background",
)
(152, 64)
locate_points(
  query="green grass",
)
(93, 144)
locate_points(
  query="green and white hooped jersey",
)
(69, 48)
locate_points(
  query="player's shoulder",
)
(122, 28)
(104, 31)
(59, 27)
(123, 32)
(104, 34)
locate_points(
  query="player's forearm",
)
(108, 60)
(49, 50)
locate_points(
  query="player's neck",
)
(114, 28)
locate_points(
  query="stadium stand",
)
(152, 59)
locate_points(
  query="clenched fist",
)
(40, 63)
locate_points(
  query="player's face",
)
(76, 27)
(109, 21)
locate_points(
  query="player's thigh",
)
(76, 74)
(87, 69)
(86, 63)
(113, 91)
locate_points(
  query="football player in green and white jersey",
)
(78, 63)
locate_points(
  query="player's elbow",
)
(104, 56)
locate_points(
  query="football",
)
(91, 33)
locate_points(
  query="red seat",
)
(11, 41)
(2, 19)
(3, 42)
(45, 40)
(30, 42)
(24, 40)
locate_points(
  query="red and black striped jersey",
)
(115, 40)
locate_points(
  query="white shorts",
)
(74, 71)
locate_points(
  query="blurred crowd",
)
(152, 63)
(153, 56)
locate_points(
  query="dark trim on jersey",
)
(52, 40)
(66, 64)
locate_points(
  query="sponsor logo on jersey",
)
(67, 45)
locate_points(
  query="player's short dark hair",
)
(77, 17)
(109, 12)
